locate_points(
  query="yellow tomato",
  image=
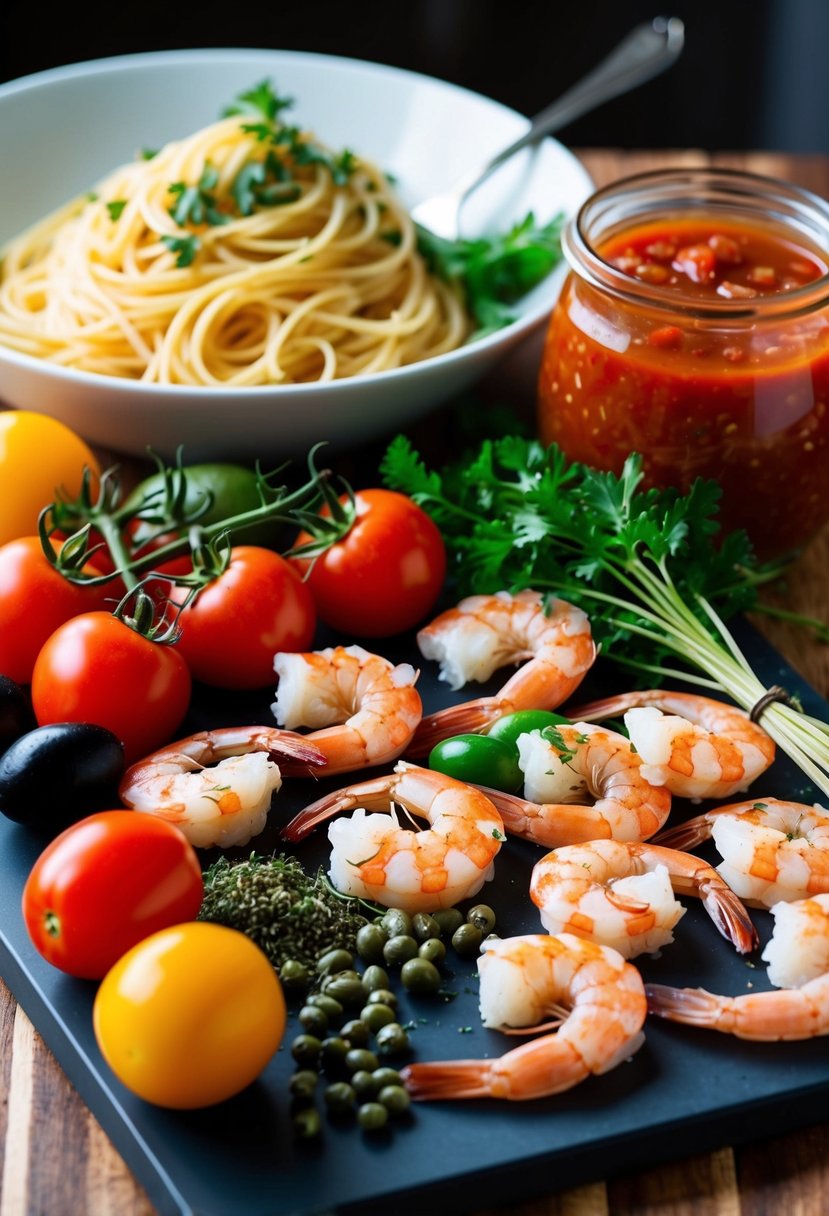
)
(190, 1016)
(38, 455)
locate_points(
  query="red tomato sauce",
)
(738, 397)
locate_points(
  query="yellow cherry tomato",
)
(38, 455)
(190, 1016)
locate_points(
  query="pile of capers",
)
(348, 1008)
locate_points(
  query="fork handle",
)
(648, 49)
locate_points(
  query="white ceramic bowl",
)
(63, 130)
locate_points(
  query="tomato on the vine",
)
(38, 456)
(104, 885)
(231, 632)
(190, 1016)
(95, 668)
(34, 600)
(385, 575)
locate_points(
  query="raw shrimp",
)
(595, 997)
(376, 857)
(584, 759)
(486, 632)
(772, 850)
(799, 947)
(368, 709)
(620, 895)
(215, 786)
(790, 1013)
(697, 747)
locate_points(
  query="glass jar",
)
(703, 376)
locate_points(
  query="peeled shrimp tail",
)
(729, 914)
(601, 710)
(687, 835)
(304, 823)
(472, 717)
(693, 1006)
(553, 825)
(448, 1079)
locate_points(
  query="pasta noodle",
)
(246, 254)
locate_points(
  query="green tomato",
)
(507, 729)
(233, 490)
(479, 759)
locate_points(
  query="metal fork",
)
(646, 51)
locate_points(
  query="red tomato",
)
(386, 574)
(104, 885)
(34, 600)
(232, 631)
(96, 669)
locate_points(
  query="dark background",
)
(754, 73)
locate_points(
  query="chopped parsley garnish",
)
(197, 204)
(115, 208)
(260, 102)
(185, 248)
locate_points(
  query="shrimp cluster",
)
(216, 786)
(486, 632)
(363, 710)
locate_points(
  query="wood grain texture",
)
(54, 1158)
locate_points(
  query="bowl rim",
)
(516, 329)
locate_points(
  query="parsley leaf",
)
(115, 208)
(259, 102)
(186, 248)
(197, 204)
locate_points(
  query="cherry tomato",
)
(38, 455)
(386, 574)
(478, 759)
(507, 729)
(34, 600)
(104, 885)
(232, 631)
(191, 1016)
(96, 669)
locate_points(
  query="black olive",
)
(16, 716)
(58, 774)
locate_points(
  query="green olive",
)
(364, 1085)
(361, 1060)
(331, 1008)
(306, 1050)
(382, 996)
(448, 920)
(370, 942)
(307, 1122)
(348, 990)
(396, 922)
(333, 1051)
(479, 759)
(420, 976)
(399, 948)
(313, 1020)
(356, 1032)
(294, 977)
(467, 940)
(375, 977)
(432, 949)
(375, 1016)
(335, 960)
(482, 917)
(372, 1116)
(386, 1076)
(507, 729)
(392, 1039)
(395, 1098)
(339, 1098)
(424, 926)
(303, 1083)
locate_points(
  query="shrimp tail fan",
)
(731, 917)
(686, 836)
(472, 717)
(293, 751)
(447, 1079)
(694, 1006)
(304, 823)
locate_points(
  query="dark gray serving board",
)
(685, 1091)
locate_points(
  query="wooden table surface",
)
(56, 1161)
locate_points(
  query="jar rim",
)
(684, 188)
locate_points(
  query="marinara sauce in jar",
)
(694, 329)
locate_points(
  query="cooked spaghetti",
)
(247, 254)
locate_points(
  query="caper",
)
(392, 1039)
(420, 976)
(433, 950)
(306, 1050)
(399, 948)
(377, 1015)
(467, 939)
(364, 1084)
(334, 960)
(331, 1008)
(313, 1019)
(372, 1116)
(359, 1059)
(307, 1122)
(346, 989)
(448, 920)
(396, 922)
(424, 926)
(356, 1032)
(375, 977)
(303, 1083)
(370, 942)
(386, 1076)
(333, 1051)
(395, 1098)
(482, 917)
(339, 1098)
(294, 977)
(382, 996)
